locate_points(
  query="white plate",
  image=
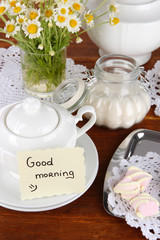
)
(10, 193)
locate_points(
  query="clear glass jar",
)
(119, 96)
(116, 91)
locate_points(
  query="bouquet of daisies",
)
(45, 27)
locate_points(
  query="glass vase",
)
(42, 73)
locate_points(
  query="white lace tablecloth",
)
(11, 89)
(153, 77)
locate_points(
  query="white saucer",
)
(10, 193)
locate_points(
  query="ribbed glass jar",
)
(119, 96)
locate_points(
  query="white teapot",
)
(33, 124)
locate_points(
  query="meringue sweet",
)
(145, 205)
(134, 182)
(136, 174)
(127, 188)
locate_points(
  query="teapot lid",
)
(32, 118)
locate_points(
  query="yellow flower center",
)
(10, 28)
(63, 11)
(13, 3)
(33, 15)
(89, 18)
(17, 9)
(73, 23)
(2, 9)
(112, 8)
(76, 6)
(20, 20)
(114, 21)
(70, 11)
(61, 19)
(48, 13)
(32, 28)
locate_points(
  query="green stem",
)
(85, 3)
(10, 42)
(3, 18)
(101, 15)
(99, 6)
(90, 28)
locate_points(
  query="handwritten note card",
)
(51, 172)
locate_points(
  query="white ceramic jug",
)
(136, 35)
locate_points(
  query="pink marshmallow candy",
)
(134, 182)
(145, 205)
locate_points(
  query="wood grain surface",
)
(85, 218)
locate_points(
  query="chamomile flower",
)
(49, 14)
(70, 11)
(3, 7)
(17, 9)
(89, 18)
(50, 24)
(52, 53)
(20, 19)
(11, 28)
(79, 40)
(65, 2)
(74, 24)
(113, 8)
(113, 20)
(33, 14)
(32, 29)
(62, 10)
(77, 6)
(60, 20)
(40, 46)
(12, 3)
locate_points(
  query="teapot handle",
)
(89, 124)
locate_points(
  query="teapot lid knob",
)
(32, 118)
(31, 105)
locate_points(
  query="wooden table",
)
(85, 218)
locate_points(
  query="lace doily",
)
(150, 226)
(153, 77)
(11, 89)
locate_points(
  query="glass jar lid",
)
(71, 94)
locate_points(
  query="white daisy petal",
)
(74, 24)
(32, 29)
(60, 20)
(20, 19)
(11, 28)
(3, 7)
(77, 6)
(49, 14)
(89, 19)
(33, 13)
(79, 40)
(17, 9)
(62, 10)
